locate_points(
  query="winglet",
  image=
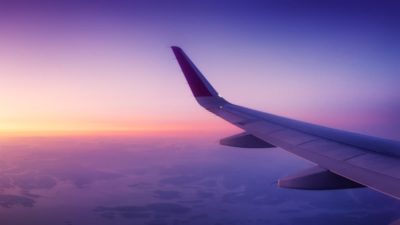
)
(198, 83)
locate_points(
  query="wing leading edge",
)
(357, 159)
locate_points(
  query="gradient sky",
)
(106, 66)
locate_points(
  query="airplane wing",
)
(344, 159)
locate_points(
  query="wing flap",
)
(332, 149)
(378, 163)
(292, 137)
(262, 127)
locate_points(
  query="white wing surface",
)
(344, 159)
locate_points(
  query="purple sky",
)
(107, 66)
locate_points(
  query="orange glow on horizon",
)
(104, 129)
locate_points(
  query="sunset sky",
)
(75, 67)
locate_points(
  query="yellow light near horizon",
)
(33, 128)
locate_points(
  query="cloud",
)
(167, 195)
(9, 201)
(146, 211)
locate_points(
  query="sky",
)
(90, 67)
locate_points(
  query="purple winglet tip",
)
(198, 84)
